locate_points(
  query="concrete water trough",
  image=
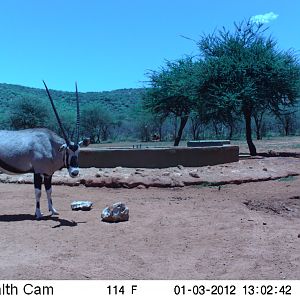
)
(208, 143)
(163, 157)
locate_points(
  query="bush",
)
(28, 113)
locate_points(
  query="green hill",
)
(119, 103)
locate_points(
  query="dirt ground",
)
(231, 221)
(232, 231)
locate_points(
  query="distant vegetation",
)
(128, 121)
(104, 115)
(239, 76)
(240, 86)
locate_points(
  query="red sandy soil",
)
(234, 229)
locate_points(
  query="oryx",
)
(41, 152)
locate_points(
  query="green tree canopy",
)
(96, 122)
(243, 72)
(28, 113)
(173, 91)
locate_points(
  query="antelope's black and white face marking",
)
(71, 158)
(73, 166)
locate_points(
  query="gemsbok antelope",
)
(42, 152)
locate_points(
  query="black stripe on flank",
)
(11, 169)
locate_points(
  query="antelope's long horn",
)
(78, 115)
(57, 117)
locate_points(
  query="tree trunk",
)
(258, 136)
(258, 124)
(195, 124)
(104, 132)
(98, 139)
(287, 126)
(160, 131)
(230, 133)
(175, 127)
(251, 146)
(183, 121)
(160, 127)
(193, 132)
(197, 134)
(215, 125)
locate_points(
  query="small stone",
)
(165, 174)
(117, 212)
(194, 174)
(140, 187)
(180, 167)
(299, 235)
(264, 223)
(176, 174)
(265, 169)
(81, 205)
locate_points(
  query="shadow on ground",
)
(28, 217)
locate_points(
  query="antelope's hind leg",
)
(38, 191)
(48, 187)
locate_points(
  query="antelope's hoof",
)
(53, 212)
(38, 216)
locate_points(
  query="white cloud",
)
(266, 18)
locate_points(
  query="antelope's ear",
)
(85, 142)
(62, 147)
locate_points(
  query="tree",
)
(172, 92)
(148, 124)
(68, 119)
(258, 119)
(95, 122)
(244, 73)
(287, 120)
(28, 113)
(195, 126)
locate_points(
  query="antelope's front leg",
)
(38, 191)
(47, 182)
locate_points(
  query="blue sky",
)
(111, 44)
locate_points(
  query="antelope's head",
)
(70, 149)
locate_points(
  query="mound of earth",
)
(246, 170)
